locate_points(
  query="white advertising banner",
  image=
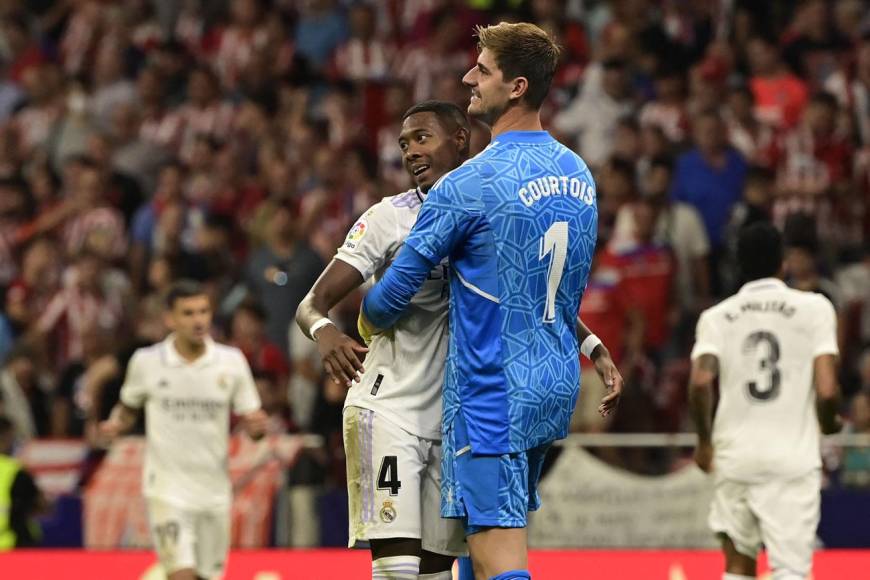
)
(589, 504)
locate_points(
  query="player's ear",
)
(520, 87)
(462, 138)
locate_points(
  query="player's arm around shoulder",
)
(370, 241)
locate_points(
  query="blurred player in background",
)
(774, 350)
(188, 385)
(518, 224)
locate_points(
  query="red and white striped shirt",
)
(105, 222)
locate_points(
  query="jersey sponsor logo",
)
(192, 409)
(356, 233)
(388, 512)
(554, 185)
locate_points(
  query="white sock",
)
(396, 568)
(445, 575)
(728, 576)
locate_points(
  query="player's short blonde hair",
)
(522, 50)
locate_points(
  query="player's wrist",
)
(588, 346)
(318, 326)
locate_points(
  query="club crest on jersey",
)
(388, 512)
(356, 233)
(223, 382)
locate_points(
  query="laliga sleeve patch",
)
(356, 233)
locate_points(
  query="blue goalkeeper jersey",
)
(518, 223)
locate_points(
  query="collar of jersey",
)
(762, 284)
(523, 137)
(420, 195)
(174, 358)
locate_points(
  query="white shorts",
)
(394, 485)
(189, 539)
(781, 514)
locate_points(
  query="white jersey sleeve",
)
(134, 392)
(372, 240)
(246, 399)
(707, 337)
(825, 335)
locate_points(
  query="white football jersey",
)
(187, 419)
(766, 338)
(404, 374)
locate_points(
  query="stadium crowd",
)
(236, 142)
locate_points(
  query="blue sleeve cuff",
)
(386, 301)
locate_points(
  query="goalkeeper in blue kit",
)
(518, 223)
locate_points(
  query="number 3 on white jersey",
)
(555, 243)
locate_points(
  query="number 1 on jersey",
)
(555, 243)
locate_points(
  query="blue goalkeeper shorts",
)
(488, 491)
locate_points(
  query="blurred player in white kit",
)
(188, 385)
(775, 351)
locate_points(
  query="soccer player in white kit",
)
(392, 415)
(188, 385)
(774, 350)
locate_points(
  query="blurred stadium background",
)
(236, 141)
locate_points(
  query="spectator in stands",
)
(95, 225)
(44, 104)
(20, 498)
(80, 381)
(815, 161)
(205, 113)
(813, 47)
(92, 294)
(646, 271)
(247, 333)
(273, 398)
(279, 274)
(755, 140)
(627, 143)
(856, 460)
(590, 119)
(170, 183)
(320, 29)
(801, 259)
(14, 214)
(239, 41)
(616, 187)
(780, 96)
(668, 110)
(131, 154)
(364, 56)
(679, 227)
(429, 58)
(710, 177)
(853, 90)
(30, 292)
(22, 398)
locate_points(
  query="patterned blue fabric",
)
(507, 219)
(488, 491)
